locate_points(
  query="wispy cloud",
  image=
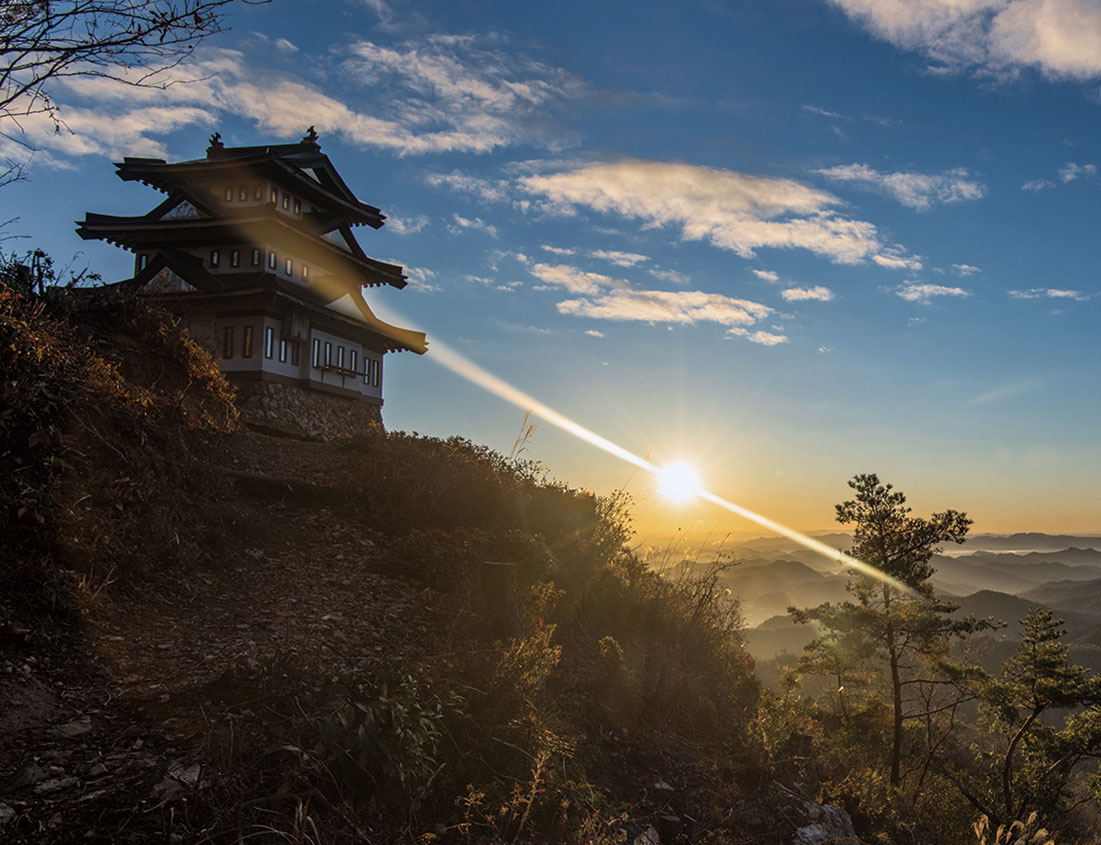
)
(508, 325)
(673, 277)
(732, 210)
(1049, 293)
(920, 191)
(1071, 171)
(760, 336)
(437, 94)
(1037, 185)
(475, 224)
(494, 257)
(1006, 391)
(621, 259)
(607, 298)
(896, 258)
(658, 306)
(1060, 38)
(821, 112)
(818, 292)
(838, 116)
(462, 92)
(574, 280)
(382, 9)
(617, 257)
(406, 225)
(594, 333)
(767, 275)
(464, 183)
(926, 293)
(966, 269)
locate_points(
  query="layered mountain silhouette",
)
(992, 575)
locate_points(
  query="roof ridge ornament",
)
(310, 138)
(216, 145)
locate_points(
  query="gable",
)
(338, 238)
(167, 280)
(185, 210)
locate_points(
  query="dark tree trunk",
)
(896, 737)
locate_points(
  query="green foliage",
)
(1032, 768)
(370, 740)
(888, 538)
(609, 650)
(895, 627)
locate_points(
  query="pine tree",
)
(1038, 759)
(895, 623)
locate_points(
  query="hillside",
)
(214, 635)
(768, 589)
(1075, 596)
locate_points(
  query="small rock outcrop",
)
(829, 825)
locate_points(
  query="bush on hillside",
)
(100, 395)
(611, 655)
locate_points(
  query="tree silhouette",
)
(42, 41)
(1033, 771)
(895, 626)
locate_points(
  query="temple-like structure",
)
(254, 248)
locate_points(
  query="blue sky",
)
(788, 241)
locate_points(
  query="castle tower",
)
(254, 248)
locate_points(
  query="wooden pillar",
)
(499, 597)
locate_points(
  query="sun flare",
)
(679, 482)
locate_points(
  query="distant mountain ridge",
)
(1077, 596)
(1072, 556)
(1031, 541)
(1013, 573)
(1060, 572)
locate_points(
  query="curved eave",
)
(165, 177)
(402, 339)
(134, 233)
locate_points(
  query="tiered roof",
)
(195, 215)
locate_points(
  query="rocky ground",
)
(124, 725)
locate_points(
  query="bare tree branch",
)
(45, 40)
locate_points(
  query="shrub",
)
(101, 393)
(369, 739)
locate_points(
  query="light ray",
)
(447, 357)
(443, 354)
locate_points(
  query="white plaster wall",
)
(238, 362)
(335, 379)
(214, 332)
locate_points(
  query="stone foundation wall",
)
(300, 412)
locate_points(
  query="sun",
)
(679, 482)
